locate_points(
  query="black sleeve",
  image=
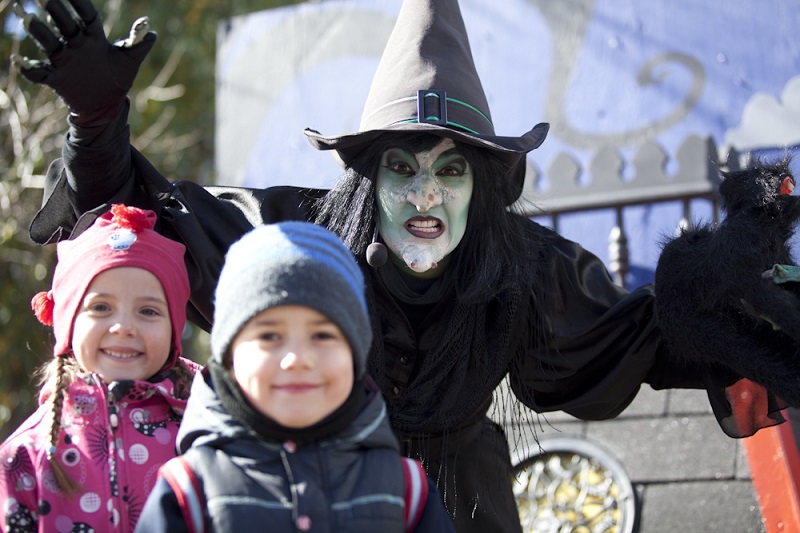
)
(606, 343)
(98, 167)
(603, 346)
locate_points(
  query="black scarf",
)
(415, 296)
(473, 347)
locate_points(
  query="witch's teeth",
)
(424, 224)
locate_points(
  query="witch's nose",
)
(424, 194)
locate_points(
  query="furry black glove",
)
(90, 74)
(727, 294)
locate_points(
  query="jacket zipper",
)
(113, 472)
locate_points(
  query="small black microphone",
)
(377, 254)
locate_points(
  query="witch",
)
(463, 291)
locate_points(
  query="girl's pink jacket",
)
(112, 441)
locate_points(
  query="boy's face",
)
(423, 202)
(122, 329)
(293, 364)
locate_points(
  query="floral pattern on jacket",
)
(112, 441)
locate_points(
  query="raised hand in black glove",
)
(91, 75)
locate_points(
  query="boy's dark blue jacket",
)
(351, 482)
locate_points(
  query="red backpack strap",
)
(184, 483)
(416, 491)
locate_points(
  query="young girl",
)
(113, 396)
(284, 428)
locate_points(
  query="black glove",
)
(91, 75)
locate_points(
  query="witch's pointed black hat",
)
(426, 82)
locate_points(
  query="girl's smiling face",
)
(122, 329)
(423, 202)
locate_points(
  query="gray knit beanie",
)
(291, 263)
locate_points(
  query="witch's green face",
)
(423, 200)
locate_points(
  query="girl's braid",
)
(62, 479)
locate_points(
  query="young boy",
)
(284, 427)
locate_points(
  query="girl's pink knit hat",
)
(123, 237)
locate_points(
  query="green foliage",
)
(172, 123)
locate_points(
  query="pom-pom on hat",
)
(291, 263)
(123, 237)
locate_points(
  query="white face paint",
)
(423, 200)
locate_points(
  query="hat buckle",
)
(432, 107)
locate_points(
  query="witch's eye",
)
(787, 185)
(400, 167)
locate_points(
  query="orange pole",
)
(775, 470)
